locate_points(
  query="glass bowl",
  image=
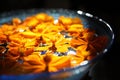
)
(89, 21)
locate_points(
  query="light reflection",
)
(21, 30)
(105, 50)
(100, 20)
(84, 62)
(71, 52)
(79, 12)
(55, 21)
(89, 15)
(73, 62)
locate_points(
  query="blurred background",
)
(108, 67)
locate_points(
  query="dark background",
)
(108, 67)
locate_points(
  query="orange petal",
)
(58, 63)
